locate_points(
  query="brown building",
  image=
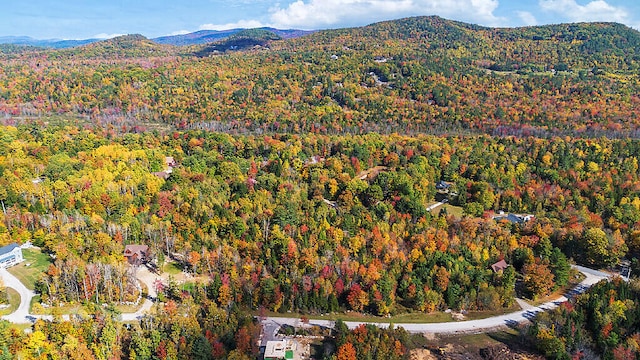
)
(499, 266)
(136, 254)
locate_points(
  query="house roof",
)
(135, 249)
(9, 248)
(516, 219)
(500, 265)
(443, 185)
(280, 349)
(162, 174)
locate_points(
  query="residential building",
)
(10, 255)
(136, 254)
(282, 349)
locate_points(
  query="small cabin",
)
(499, 266)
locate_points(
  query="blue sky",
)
(80, 19)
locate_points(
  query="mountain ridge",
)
(199, 37)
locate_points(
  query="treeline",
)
(371, 342)
(72, 281)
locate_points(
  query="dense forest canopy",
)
(292, 189)
(422, 74)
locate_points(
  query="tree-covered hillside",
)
(418, 75)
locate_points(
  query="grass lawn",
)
(456, 211)
(14, 302)
(172, 268)
(34, 264)
(408, 318)
(477, 315)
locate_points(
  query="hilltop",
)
(421, 74)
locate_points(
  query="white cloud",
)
(596, 10)
(527, 18)
(242, 24)
(180, 32)
(315, 14)
(106, 36)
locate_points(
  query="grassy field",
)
(172, 268)
(477, 315)
(14, 302)
(412, 318)
(456, 211)
(34, 264)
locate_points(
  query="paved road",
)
(22, 314)
(148, 278)
(434, 206)
(471, 326)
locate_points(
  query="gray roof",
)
(9, 248)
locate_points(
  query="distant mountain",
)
(209, 36)
(47, 43)
(134, 45)
(241, 40)
(194, 38)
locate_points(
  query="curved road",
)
(471, 326)
(21, 315)
(146, 277)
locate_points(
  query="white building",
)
(282, 349)
(10, 255)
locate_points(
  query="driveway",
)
(147, 278)
(21, 315)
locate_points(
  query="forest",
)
(304, 173)
(416, 75)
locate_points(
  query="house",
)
(513, 218)
(282, 349)
(170, 162)
(443, 185)
(10, 255)
(162, 175)
(499, 266)
(136, 254)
